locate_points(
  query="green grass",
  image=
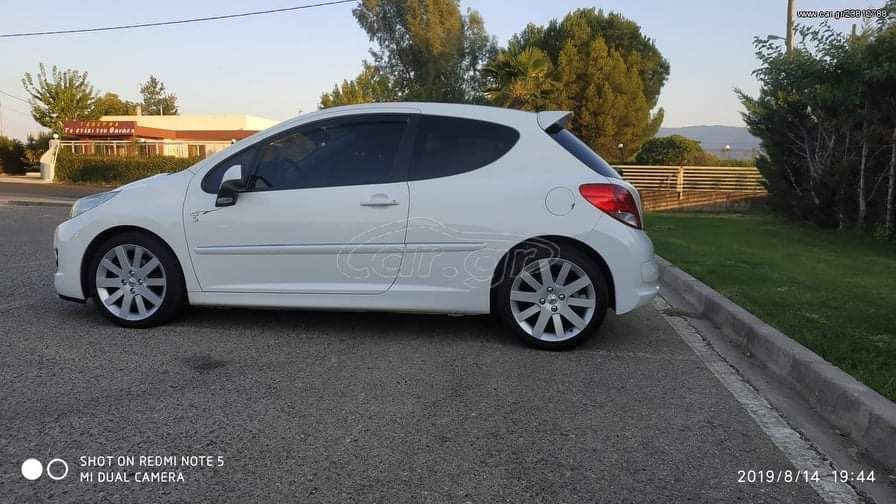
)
(833, 292)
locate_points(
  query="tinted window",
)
(584, 153)
(212, 180)
(334, 154)
(448, 145)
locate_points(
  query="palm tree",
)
(520, 79)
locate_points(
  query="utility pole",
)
(791, 14)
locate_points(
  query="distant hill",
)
(715, 138)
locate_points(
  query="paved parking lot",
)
(341, 407)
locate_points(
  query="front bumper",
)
(69, 255)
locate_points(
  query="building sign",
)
(98, 128)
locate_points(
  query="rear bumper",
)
(628, 253)
(640, 291)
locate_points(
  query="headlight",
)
(90, 202)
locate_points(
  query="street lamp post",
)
(621, 152)
(727, 149)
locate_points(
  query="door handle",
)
(379, 200)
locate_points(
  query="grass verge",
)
(833, 292)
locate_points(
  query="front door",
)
(326, 211)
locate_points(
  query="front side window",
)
(451, 145)
(349, 152)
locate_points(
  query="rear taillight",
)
(615, 201)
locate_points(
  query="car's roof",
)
(482, 112)
(433, 107)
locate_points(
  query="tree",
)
(882, 81)
(425, 50)
(60, 96)
(12, 156)
(618, 32)
(478, 48)
(606, 96)
(112, 104)
(520, 80)
(674, 150)
(370, 86)
(610, 75)
(826, 116)
(156, 99)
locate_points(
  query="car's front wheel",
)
(555, 300)
(135, 281)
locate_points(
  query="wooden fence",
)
(716, 187)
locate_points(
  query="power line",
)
(180, 21)
(14, 96)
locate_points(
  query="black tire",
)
(175, 293)
(571, 254)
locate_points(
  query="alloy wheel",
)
(552, 299)
(131, 282)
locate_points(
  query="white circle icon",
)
(53, 476)
(32, 469)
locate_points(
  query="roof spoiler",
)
(553, 120)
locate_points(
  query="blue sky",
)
(275, 65)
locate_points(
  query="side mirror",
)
(231, 185)
(228, 192)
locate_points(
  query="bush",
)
(674, 150)
(12, 156)
(35, 147)
(115, 170)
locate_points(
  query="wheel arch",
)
(556, 240)
(109, 233)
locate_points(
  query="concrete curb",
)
(866, 416)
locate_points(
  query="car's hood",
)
(145, 182)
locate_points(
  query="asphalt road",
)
(11, 190)
(337, 407)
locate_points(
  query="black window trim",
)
(402, 169)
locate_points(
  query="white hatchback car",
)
(412, 207)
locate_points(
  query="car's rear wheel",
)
(135, 281)
(553, 301)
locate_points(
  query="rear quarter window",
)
(447, 146)
(583, 153)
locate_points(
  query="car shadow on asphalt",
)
(344, 326)
(350, 325)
